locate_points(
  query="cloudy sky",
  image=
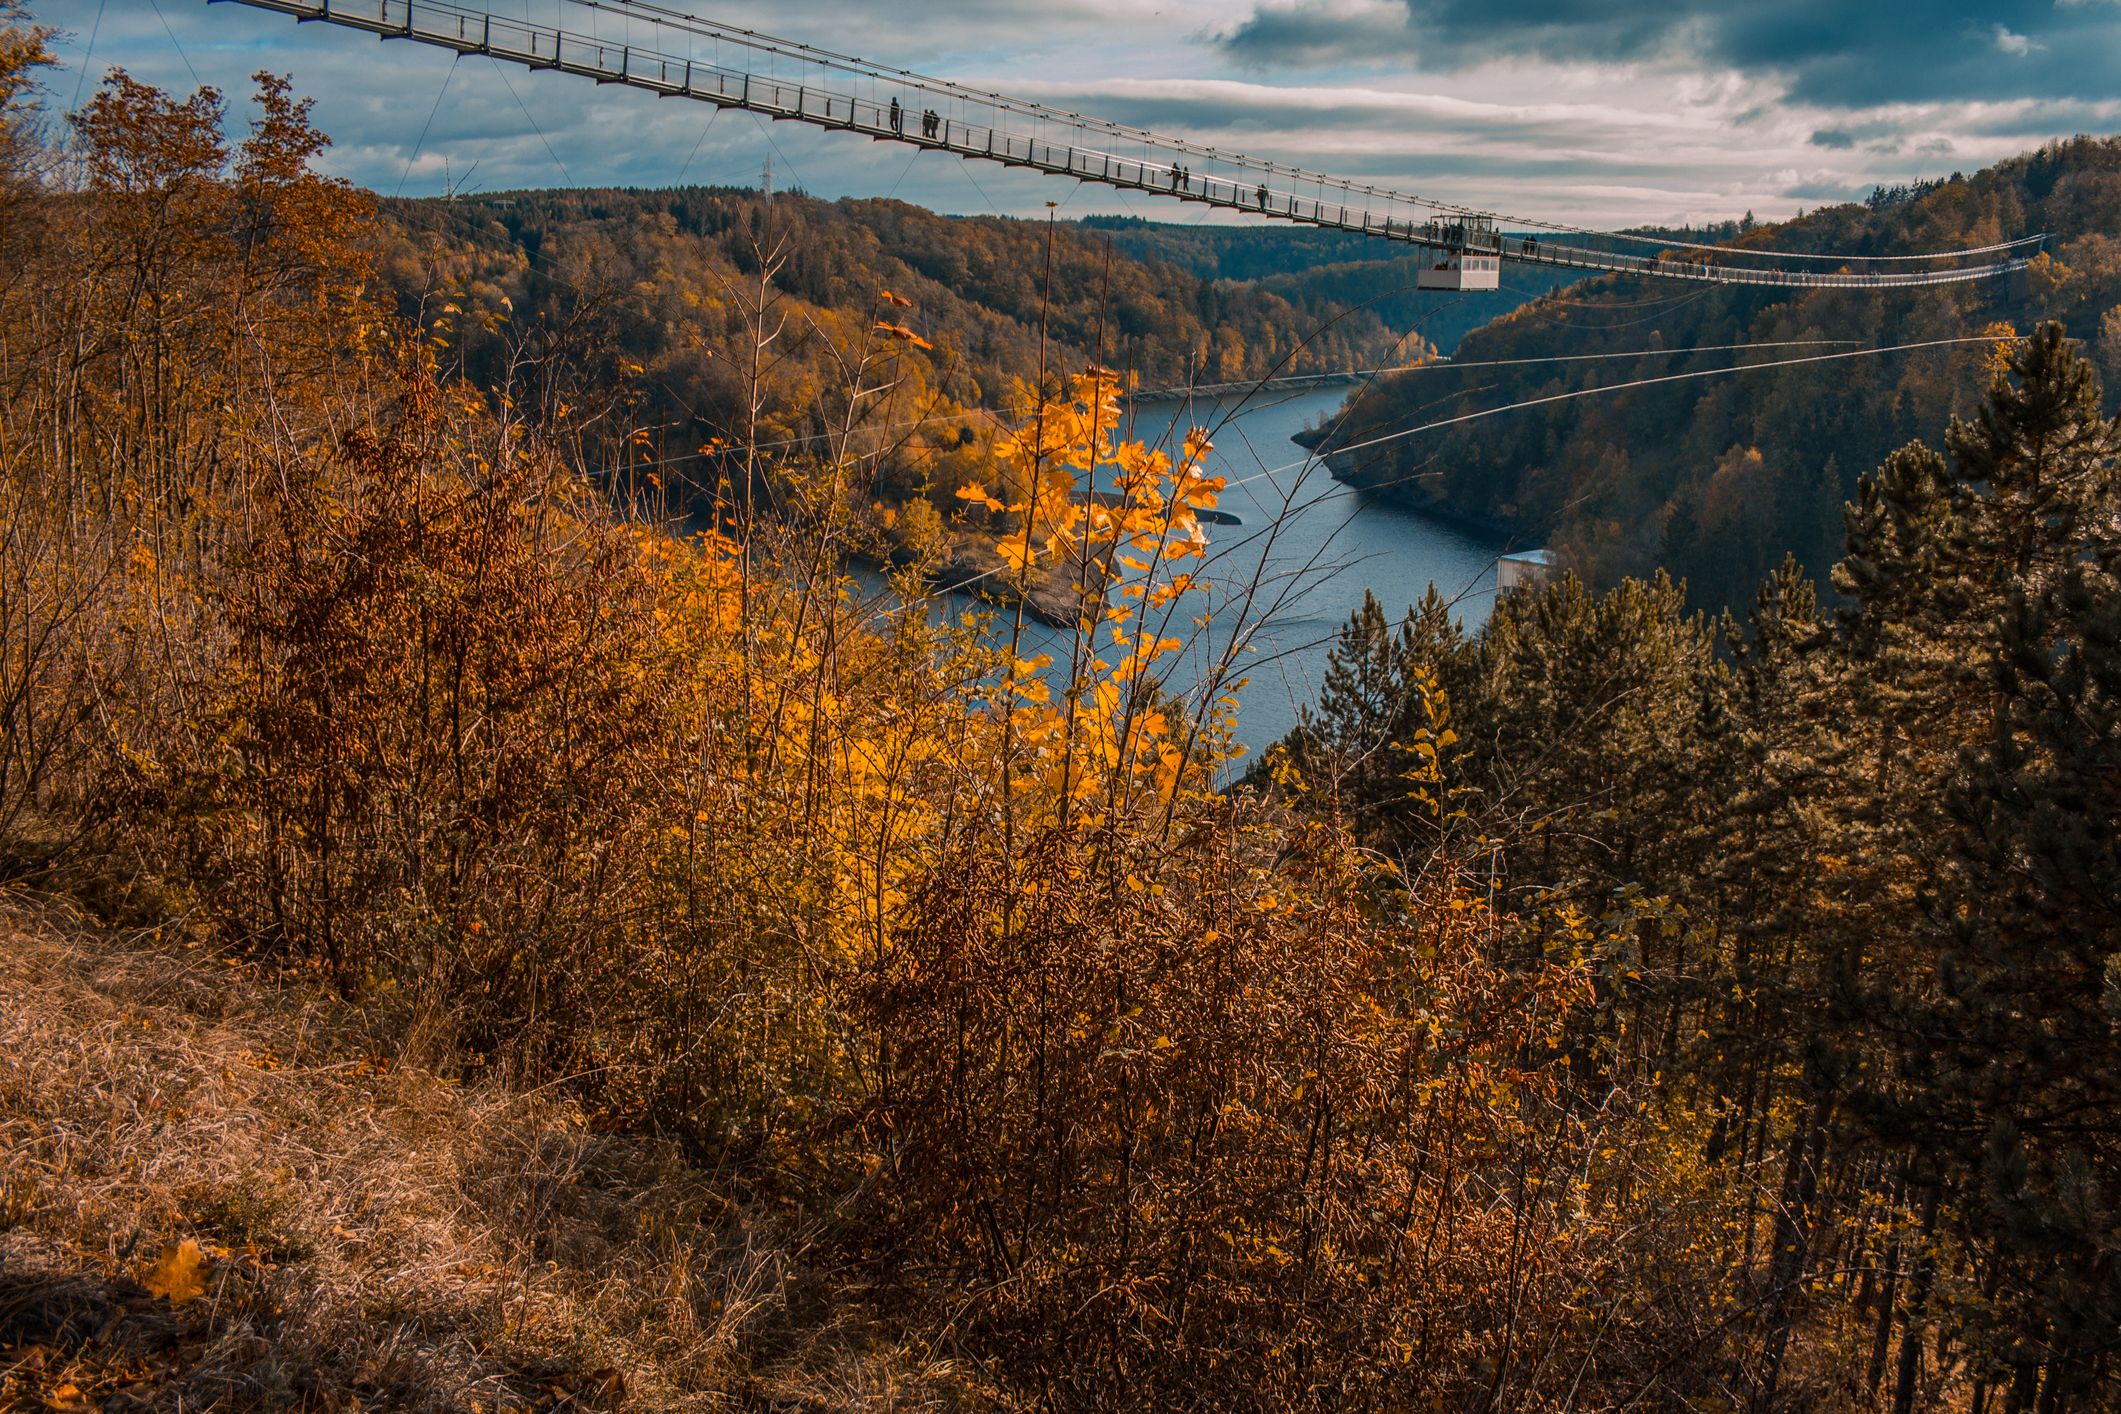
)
(1585, 111)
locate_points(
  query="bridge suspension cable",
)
(660, 50)
(663, 15)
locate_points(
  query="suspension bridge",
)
(677, 55)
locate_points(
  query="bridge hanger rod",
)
(1164, 167)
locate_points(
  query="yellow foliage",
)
(838, 890)
(2003, 348)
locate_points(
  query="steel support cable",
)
(661, 15)
(1342, 219)
(527, 117)
(421, 141)
(1185, 395)
(705, 129)
(1218, 389)
(88, 57)
(176, 44)
(1443, 363)
(1315, 460)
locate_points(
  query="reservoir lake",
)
(1284, 581)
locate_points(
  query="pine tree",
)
(1381, 688)
(1587, 705)
(1976, 664)
(2030, 912)
(1764, 1044)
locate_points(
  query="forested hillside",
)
(1316, 268)
(662, 280)
(1307, 266)
(1717, 479)
(1258, 250)
(706, 346)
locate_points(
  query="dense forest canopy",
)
(661, 273)
(1867, 866)
(1716, 480)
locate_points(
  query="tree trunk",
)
(1793, 1243)
(1918, 1295)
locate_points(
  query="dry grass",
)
(377, 1235)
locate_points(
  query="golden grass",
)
(377, 1235)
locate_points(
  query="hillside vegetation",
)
(229, 1188)
(478, 938)
(664, 279)
(1717, 479)
(1316, 268)
(326, 659)
(1865, 864)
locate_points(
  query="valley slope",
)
(1717, 478)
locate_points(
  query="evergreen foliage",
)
(1857, 875)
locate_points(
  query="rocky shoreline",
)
(965, 571)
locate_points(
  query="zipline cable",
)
(1609, 388)
(1315, 460)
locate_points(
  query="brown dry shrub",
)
(1264, 1133)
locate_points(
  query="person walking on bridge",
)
(898, 118)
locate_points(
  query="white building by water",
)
(1523, 567)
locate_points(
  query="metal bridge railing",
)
(974, 125)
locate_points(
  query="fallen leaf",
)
(181, 1274)
(66, 1396)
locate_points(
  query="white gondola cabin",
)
(1465, 254)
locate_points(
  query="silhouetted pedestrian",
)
(898, 118)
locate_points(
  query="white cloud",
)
(2015, 45)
